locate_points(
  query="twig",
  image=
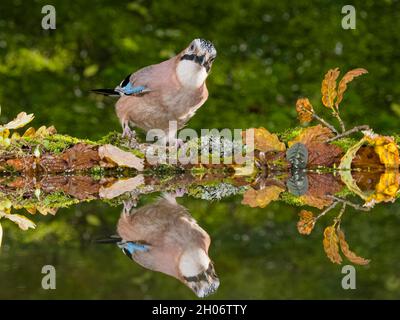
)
(333, 205)
(351, 204)
(339, 217)
(326, 124)
(336, 114)
(349, 132)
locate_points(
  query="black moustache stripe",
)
(197, 59)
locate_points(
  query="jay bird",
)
(164, 237)
(169, 91)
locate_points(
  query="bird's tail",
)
(106, 92)
(110, 239)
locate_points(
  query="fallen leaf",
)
(306, 223)
(331, 245)
(46, 210)
(30, 132)
(328, 88)
(22, 222)
(349, 76)
(261, 198)
(386, 189)
(323, 154)
(120, 187)
(120, 157)
(344, 246)
(304, 110)
(316, 133)
(265, 141)
(21, 120)
(386, 148)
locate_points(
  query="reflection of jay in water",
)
(169, 91)
(164, 237)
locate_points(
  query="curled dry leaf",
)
(316, 133)
(306, 223)
(386, 148)
(328, 88)
(121, 157)
(386, 189)
(344, 246)
(331, 245)
(266, 141)
(349, 76)
(261, 198)
(304, 110)
(21, 120)
(22, 222)
(120, 187)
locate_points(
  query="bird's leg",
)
(130, 135)
(128, 205)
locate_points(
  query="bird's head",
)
(198, 273)
(195, 62)
(200, 51)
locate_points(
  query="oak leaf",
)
(344, 246)
(261, 198)
(265, 141)
(328, 88)
(304, 110)
(316, 133)
(349, 76)
(386, 148)
(306, 223)
(331, 244)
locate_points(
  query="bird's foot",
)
(180, 192)
(130, 135)
(129, 205)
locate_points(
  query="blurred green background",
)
(269, 54)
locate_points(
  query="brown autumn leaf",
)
(266, 141)
(323, 154)
(331, 245)
(304, 110)
(306, 223)
(328, 88)
(121, 157)
(316, 133)
(344, 246)
(261, 198)
(349, 76)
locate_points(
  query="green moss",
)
(289, 134)
(291, 199)
(345, 143)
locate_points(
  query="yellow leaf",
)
(306, 223)
(45, 210)
(316, 133)
(30, 132)
(304, 110)
(349, 76)
(265, 141)
(386, 189)
(22, 222)
(344, 246)
(331, 245)
(328, 88)
(261, 198)
(386, 148)
(21, 120)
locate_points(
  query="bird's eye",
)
(192, 47)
